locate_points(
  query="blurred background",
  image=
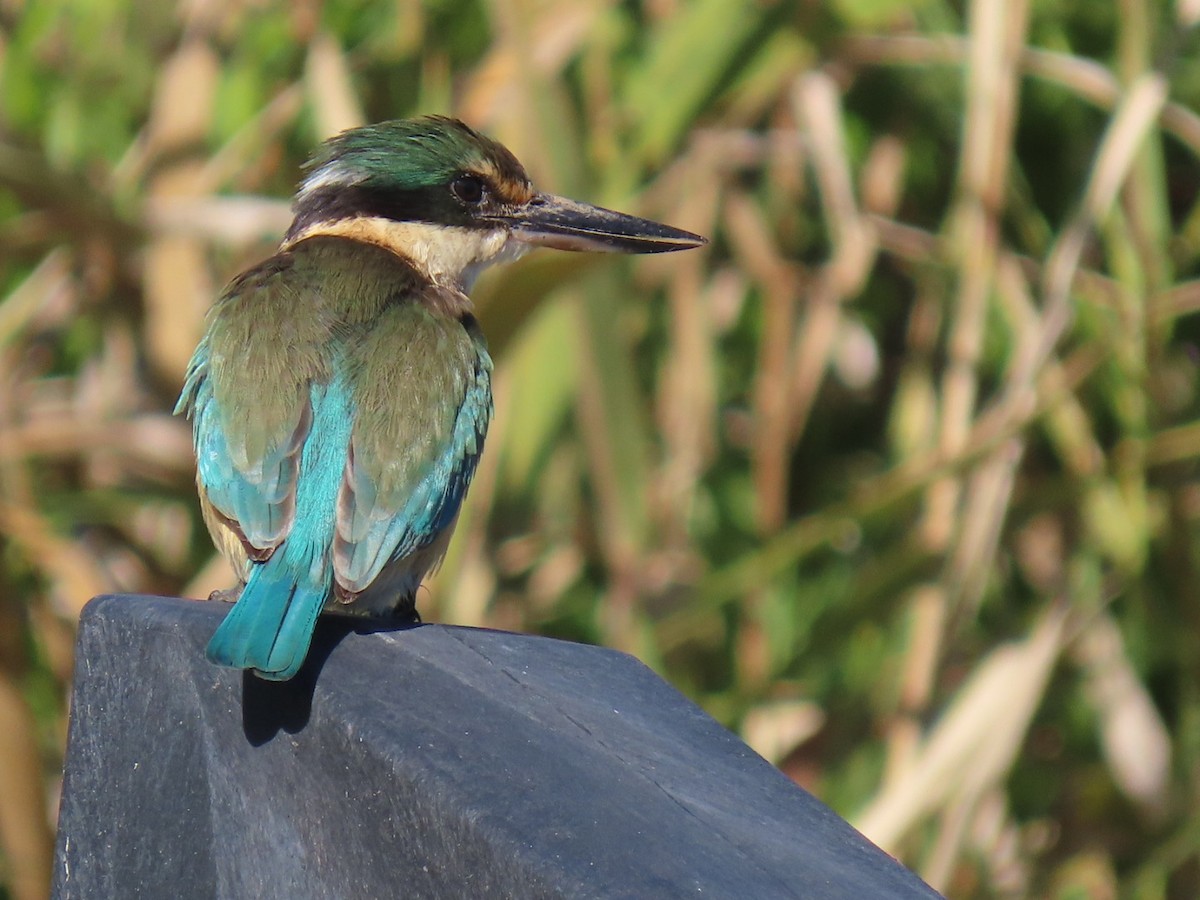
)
(897, 478)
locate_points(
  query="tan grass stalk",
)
(330, 88)
(177, 283)
(780, 282)
(817, 105)
(1135, 740)
(24, 833)
(1089, 80)
(974, 743)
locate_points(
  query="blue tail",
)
(271, 625)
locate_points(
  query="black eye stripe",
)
(435, 204)
(468, 188)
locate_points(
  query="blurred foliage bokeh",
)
(897, 478)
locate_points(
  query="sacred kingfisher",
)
(341, 393)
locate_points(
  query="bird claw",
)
(227, 595)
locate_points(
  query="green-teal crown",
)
(409, 154)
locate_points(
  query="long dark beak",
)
(549, 221)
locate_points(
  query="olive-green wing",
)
(424, 401)
(247, 393)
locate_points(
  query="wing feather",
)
(424, 405)
(247, 394)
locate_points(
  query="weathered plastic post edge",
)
(432, 761)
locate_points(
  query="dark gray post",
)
(427, 762)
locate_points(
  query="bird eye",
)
(468, 188)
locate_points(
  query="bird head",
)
(453, 201)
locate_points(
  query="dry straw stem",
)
(74, 573)
(1172, 303)
(233, 221)
(1069, 424)
(686, 404)
(1172, 445)
(1129, 127)
(153, 443)
(216, 575)
(816, 104)
(780, 281)
(39, 291)
(878, 494)
(775, 728)
(1085, 78)
(330, 92)
(177, 284)
(970, 525)
(922, 656)
(976, 740)
(998, 709)
(997, 33)
(25, 835)
(246, 145)
(1135, 741)
(1135, 116)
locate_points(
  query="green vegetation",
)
(898, 478)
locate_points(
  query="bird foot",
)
(406, 611)
(227, 595)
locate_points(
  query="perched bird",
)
(341, 394)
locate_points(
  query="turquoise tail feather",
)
(270, 627)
